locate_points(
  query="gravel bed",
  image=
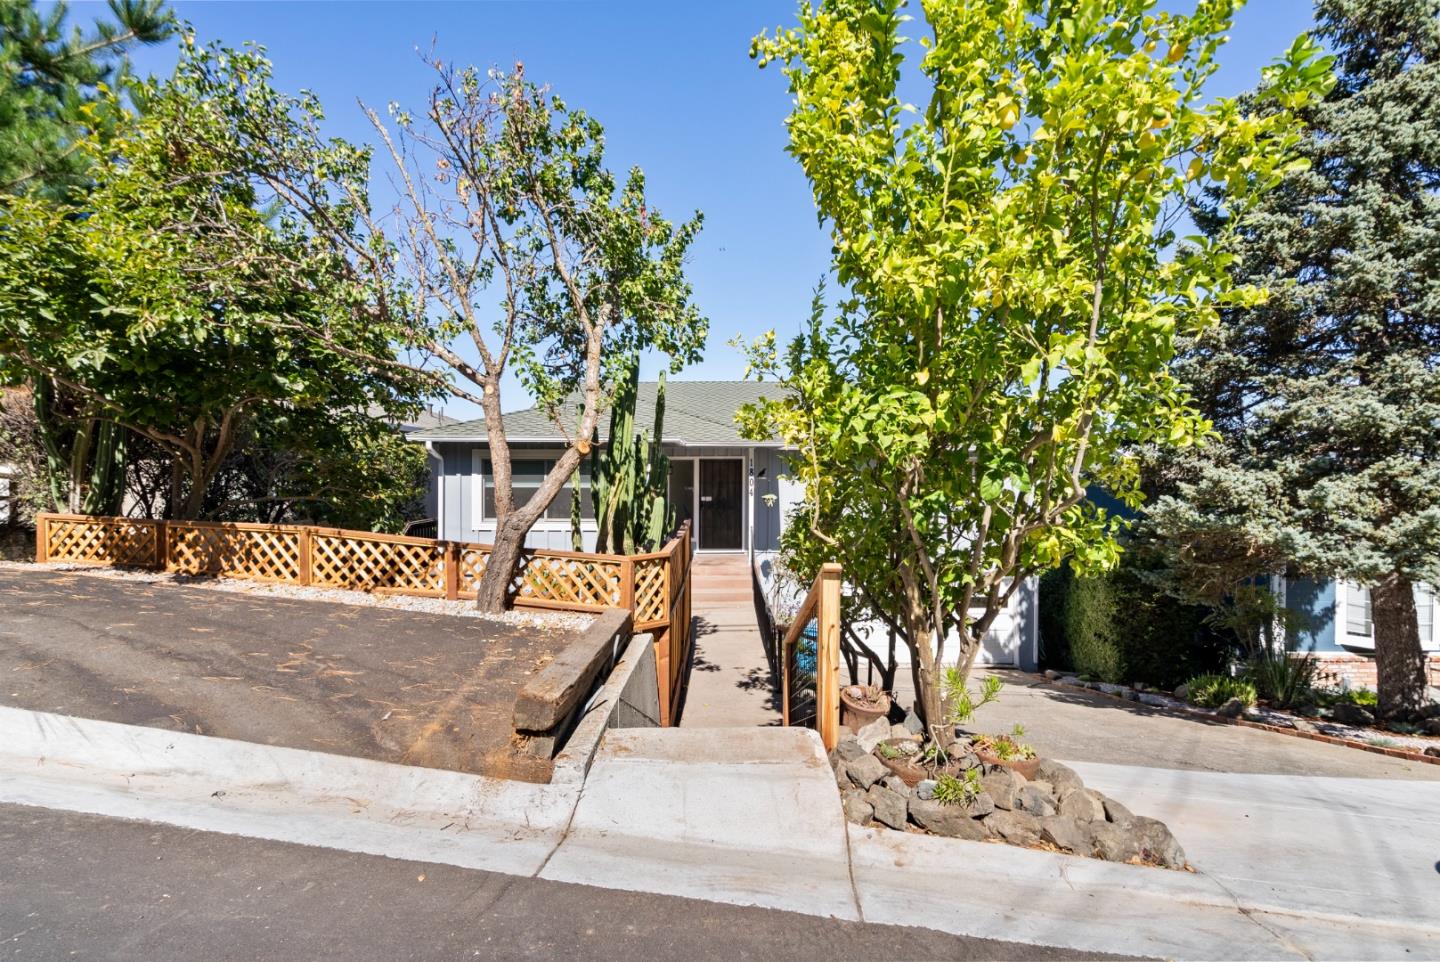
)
(562, 620)
(1266, 716)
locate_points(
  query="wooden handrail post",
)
(42, 539)
(452, 571)
(306, 563)
(827, 657)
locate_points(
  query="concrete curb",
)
(284, 794)
(992, 890)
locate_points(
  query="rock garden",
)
(987, 788)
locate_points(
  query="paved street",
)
(82, 886)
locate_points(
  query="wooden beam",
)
(827, 656)
(554, 692)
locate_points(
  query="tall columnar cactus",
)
(629, 476)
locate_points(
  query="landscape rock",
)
(1304, 725)
(1065, 833)
(980, 806)
(890, 808)
(1062, 779)
(849, 749)
(1035, 800)
(1433, 751)
(873, 734)
(901, 732)
(1130, 694)
(912, 723)
(1156, 843)
(1112, 843)
(1017, 828)
(1431, 726)
(1082, 805)
(1141, 686)
(896, 784)
(865, 771)
(1154, 701)
(968, 761)
(856, 808)
(1233, 708)
(1348, 714)
(948, 820)
(1052, 674)
(1182, 692)
(1115, 812)
(1070, 680)
(925, 789)
(1001, 785)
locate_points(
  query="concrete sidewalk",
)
(753, 818)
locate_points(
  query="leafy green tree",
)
(1328, 394)
(1011, 305)
(512, 248)
(52, 77)
(172, 303)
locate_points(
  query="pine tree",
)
(50, 74)
(1327, 397)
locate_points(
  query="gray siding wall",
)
(457, 484)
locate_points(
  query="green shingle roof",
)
(696, 412)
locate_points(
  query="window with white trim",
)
(1357, 611)
(526, 476)
(1359, 623)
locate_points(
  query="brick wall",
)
(1359, 669)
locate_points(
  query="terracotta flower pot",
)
(1026, 767)
(855, 714)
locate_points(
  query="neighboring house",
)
(1335, 623)
(734, 491)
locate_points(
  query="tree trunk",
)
(494, 588)
(1399, 660)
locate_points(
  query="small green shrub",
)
(1212, 691)
(1281, 679)
(1330, 697)
(950, 790)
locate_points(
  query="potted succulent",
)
(862, 704)
(1007, 751)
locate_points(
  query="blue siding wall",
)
(456, 495)
(1314, 602)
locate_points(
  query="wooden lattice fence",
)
(654, 587)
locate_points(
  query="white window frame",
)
(1345, 638)
(478, 520)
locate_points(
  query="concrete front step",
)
(745, 815)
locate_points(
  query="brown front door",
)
(722, 504)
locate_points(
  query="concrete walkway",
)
(730, 683)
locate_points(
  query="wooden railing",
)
(654, 587)
(822, 607)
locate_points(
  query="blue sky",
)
(674, 86)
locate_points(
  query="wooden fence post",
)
(162, 545)
(452, 571)
(307, 541)
(42, 539)
(627, 587)
(827, 657)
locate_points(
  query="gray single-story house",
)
(729, 487)
(735, 492)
